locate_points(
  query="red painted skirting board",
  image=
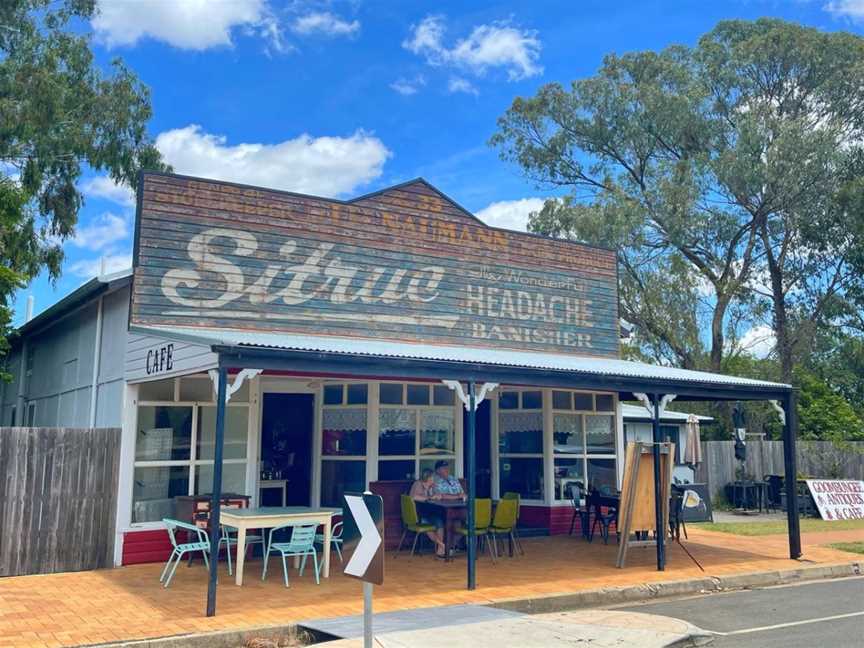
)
(145, 546)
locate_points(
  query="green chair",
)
(302, 544)
(482, 520)
(200, 542)
(512, 495)
(504, 522)
(411, 523)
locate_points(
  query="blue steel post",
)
(472, 470)
(213, 528)
(658, 496)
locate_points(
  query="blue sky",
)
(342, 98)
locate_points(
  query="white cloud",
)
(325, 166)
(497, 45)
(187, 24)
(758, 341)
(324, 22)
(102, 232)
(87, 268)
(510, 214)
(407, 87)
(104, 187)
(851, 9)
(458, 84)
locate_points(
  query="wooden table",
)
(281, 484)
(450, 511)
(267, 517)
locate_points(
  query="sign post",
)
(364, 521)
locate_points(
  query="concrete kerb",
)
(605, 597)
(611, 596)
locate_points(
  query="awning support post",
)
(471, 452)
(658, 495)
(790, 434)
(215, 502)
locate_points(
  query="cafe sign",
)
(405, 264)
(838, 499)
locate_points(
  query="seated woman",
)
(421, 491)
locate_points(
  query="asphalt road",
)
(806, 615)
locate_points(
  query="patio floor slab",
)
(112, 605)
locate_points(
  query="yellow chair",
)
(411, 523)
(482, 520)
(504, 522)
(512, 495)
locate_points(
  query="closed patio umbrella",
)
(693, 444)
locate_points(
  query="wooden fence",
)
(815, 458)
(58, 494)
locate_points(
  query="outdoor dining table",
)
(267, 517)
(450, 511)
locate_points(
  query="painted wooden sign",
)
(403, 264)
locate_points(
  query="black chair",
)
(676, 514)
(773, 489)
(581, 509)
(604, 519)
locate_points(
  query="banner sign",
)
(403, 264)
(838, 499)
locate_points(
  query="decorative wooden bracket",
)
(456, 386)
(646, 402)
(780, 411)
(233, 387)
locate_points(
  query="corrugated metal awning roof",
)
(639, 412)
(460, 354)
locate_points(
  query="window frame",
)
(497, 455)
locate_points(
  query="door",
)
(287, 427)
(483, 446)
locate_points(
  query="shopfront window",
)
(417, 427)
(520, 442)
(175, 445)
(344, 440)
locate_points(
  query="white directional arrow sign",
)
(370, 539)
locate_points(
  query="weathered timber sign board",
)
(404, 264)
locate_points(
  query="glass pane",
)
(233, 479)
(154, 490)
(157, 390)
(418, 395)
(236, 432)
(396, 469)
(567, 473)
(567, 433)
(562, 400)
(600, 434)
(398, 432)
(601, 476)
(164, 433)
(443, 395)
(332, 394)
(520, 432)
(436, 432)
(430, 464)
(522, 475)
(532, 400)
(508, 400)
(337, 477)
(358, 394)
(605, 402)
(583, 402)
(197, 389)
(343, 431)
(390, 394)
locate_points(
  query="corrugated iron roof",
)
(478, 355)
(639, 412)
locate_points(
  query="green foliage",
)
(824, 414)
(58, 113)
(729, 176)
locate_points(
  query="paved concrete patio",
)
(128, 603)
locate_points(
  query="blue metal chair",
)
(228, 536)
(302, 544)
(200, 543)
(335, 539)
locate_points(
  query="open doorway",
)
(287, 426)
(483, 446)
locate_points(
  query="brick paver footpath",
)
(82, 608)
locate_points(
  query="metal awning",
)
(366, 357)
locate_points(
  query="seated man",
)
(445, 486)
